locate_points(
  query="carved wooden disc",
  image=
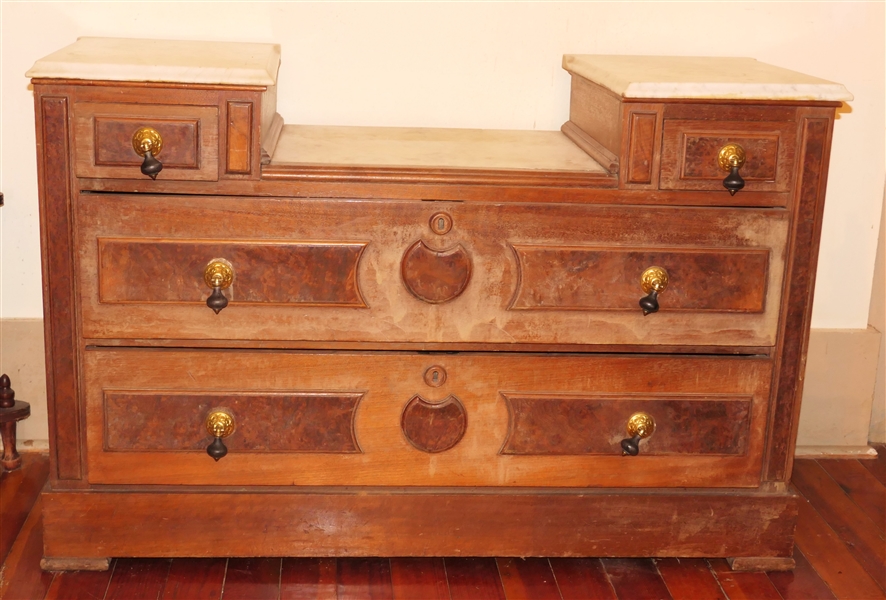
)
(434, 427)
(435, 276)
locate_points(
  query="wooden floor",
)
(840, 554)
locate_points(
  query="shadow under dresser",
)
(361, 341)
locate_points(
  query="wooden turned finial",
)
(7, 394)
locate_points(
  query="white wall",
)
(475, 65)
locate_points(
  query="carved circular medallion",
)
(435, 276)
(434, 426)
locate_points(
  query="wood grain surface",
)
(103, 140)
(156, 421)
(358, 523)
(690, 148)
(171, 272)
(582, 425)
(387, 229)
(387, 383)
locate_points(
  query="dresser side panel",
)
(810, 182)
(53, 112)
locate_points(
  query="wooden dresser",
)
(270, 340)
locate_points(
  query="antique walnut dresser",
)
(267, 339)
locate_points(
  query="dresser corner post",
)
(55, 189)
(814, 131)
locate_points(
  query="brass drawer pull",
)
(220, 424)
(654, 281)
(147, 142)
(640, 426)
(219, 275)
(731, 158)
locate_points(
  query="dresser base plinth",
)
(98, 524)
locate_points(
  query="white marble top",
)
(123, 59)
(429, 147)
(700, 77)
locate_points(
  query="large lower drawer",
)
(427, 272)
(406, 419)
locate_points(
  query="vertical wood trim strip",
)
(53, 152)
(809, 189)
(239, 142)
(642, 147)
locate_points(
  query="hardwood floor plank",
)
(473, 579)
(803, 583)
(582, 579)
(877, 466)
(364, 578)
(308, 579)
(21, 577)
(252, 579)
(19, 490)
(419, 578)
(743, 586)
(861, 486)
(830, 558)
(81, 585)
(195, 579)
(635, 578)
(527, 579)
(138, 578)
(689, 579)
(851, 524)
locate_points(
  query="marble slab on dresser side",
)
(701, 78)
(169, 61)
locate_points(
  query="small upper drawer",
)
(105, 149)
(690, 149)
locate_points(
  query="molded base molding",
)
(409, 522)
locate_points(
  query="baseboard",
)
(862, 452)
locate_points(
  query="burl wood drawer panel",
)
(103, 140)
(690, 149)
(408, 419)
(379, 271)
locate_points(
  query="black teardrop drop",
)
(151, 166)
(217, 449)
(216, 301)
(733, 182)
(649, 303)
(631, 446)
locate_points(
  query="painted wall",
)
(475, 65)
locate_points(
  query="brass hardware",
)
(220, 424)
(653, 281)
(147, 139)
(440, 223)
(654, 278)
(147, 142)
(640, 426)
(219, 275)
(731, 155)
(731, 158)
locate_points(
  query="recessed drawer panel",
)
(188, 138)
(410, 272)
(690, 151)
(404, 419)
